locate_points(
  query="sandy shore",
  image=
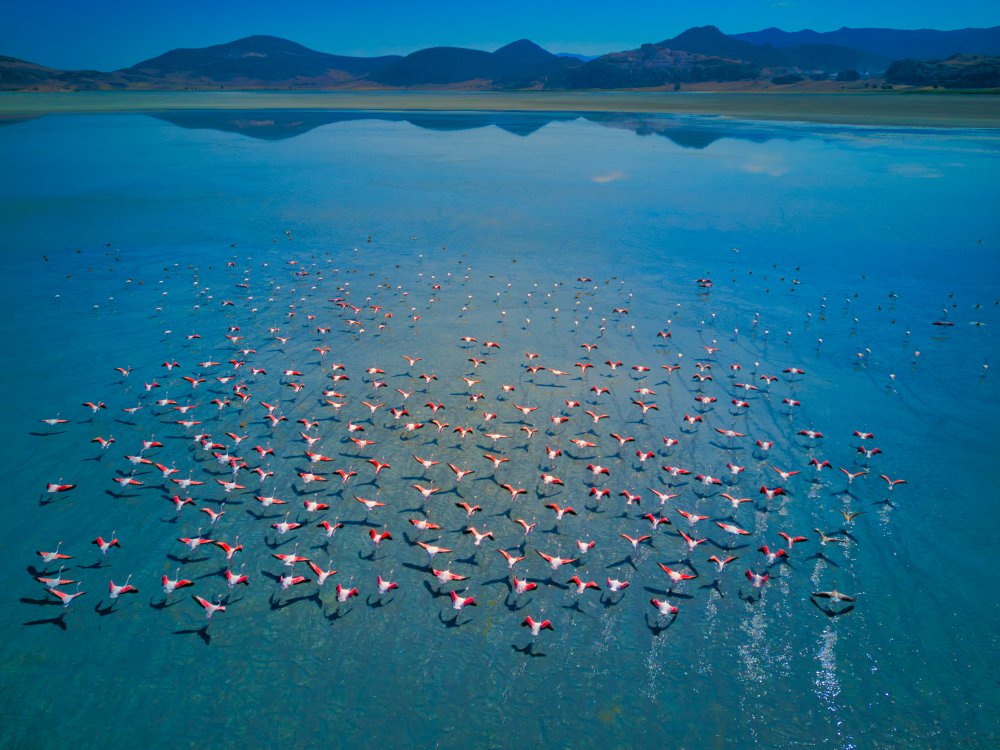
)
(869, 108)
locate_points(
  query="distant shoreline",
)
(947, 110)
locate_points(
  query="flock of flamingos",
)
(311, 443)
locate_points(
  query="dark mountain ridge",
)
(893, 44)
(259, 58)
(518, 64)
(703, 54)
(699, 55)
(826, 56)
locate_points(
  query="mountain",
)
(709, 40)
(519, 64)
(921, 44)
(704, 54)
(19, 73)
(957, 72)
(16, 75)
(819, 56)
(653, 66)
(522, 53)
(254, 60)
(700, 55)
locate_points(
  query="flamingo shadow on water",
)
(377, 602)
(277, 603)
(453, 622)
(59, 622)
(528, 649)
(39, 602)
(830, 611)
(163, 603)
(201, 632)
(338, 613)
(656, 628)
(516, 604)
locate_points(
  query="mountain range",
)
(698, 55)
(894, 44)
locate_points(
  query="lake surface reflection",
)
(136, 239)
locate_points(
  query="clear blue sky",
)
(111, 34)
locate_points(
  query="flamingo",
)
(536, 626)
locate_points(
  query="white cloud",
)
(915, 170)
(609, 177)
(771, 166)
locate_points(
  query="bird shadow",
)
(263, 516)
(278, 604)
(105, 611)
(59, 622)
(436, 593)
(624, 561)
(824, 558)
(361, 522)
(678, 561)
(453, 622)
(163, 603)
(40, 602)
(656, 628)
(201, 632)
(608, 601)
(120, 495)
(185, 560)
(212, 574)
(715, 584)
(515, 604)
(576, 605)
(338, 613)
(727, 547)
(527, 650)
(829, 611)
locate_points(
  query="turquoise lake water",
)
(830, 249)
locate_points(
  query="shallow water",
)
(831, 249)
